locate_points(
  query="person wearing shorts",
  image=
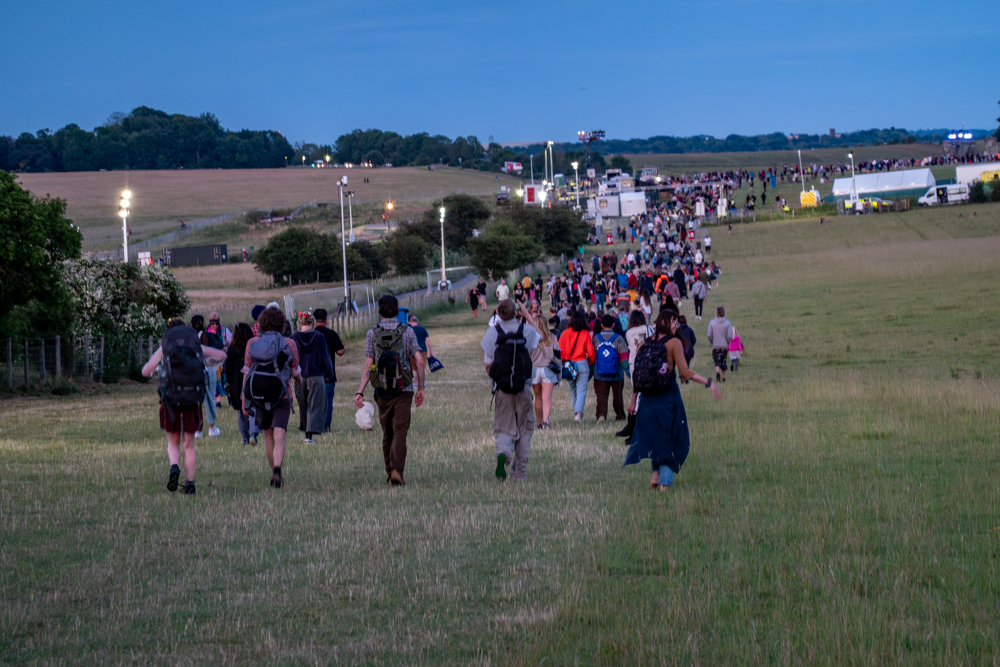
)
(543, 378)
(178, 422)
(274, 423)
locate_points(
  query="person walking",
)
(473, 299)
(183, 389)
(661, 428)
(735, 352)
(544, 378)
(698, 292)
(611, 352)
(335, 347)
(720, 335)
(234, 375)
(269, 357)
(316, 366)
(481, 288)
(502, 291)
(507, 349)
(688, 333)
(213, 340)
(392, 361)
(423, 338)
(577, 356)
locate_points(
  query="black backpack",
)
(182, 378)
(650, 375)
(511, 367)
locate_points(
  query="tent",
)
(907, 181)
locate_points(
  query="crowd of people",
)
(616, 321)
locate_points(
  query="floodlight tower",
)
(123, 212)
(343, 241)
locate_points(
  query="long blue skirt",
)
(661, 431)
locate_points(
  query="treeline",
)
(776, 141)
(145, 139)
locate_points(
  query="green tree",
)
(463, 213)
(407, 252)
(623, 163)
(300, 253)
(995, 190)
(559, 230)
(366, 260)
(977, 193)
(502, 247)
(35, 237)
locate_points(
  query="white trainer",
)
(197, 434)
(214, 432)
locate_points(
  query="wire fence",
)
(30, 362)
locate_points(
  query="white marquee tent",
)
(885, 182)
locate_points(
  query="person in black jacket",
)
(688, 333)
(233, 367)
(316, 365)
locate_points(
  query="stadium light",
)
(576, 174)
(343, 244)
(123, 205)
(854, 187)
(443, 280)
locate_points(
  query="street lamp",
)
(532, 161)
(552, 163)
(350, 209)
(123, 212)
(854, 187)
(443, 280)
(303, 160)
(576, 175)
(343, 242)
(388, 215)
(328, 160)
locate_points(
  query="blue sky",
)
(516, 70)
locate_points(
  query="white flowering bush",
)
(125, 303)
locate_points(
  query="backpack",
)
(607, 357)
(650, 375)
(214, 340)
(183, 378)
(511, 367)
(391, 370)
(267, 382)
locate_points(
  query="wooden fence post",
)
(72, 354)
(10, 364)
(102, 359)
(25, 363)
(86, 355)
(43, 360)
(58, 357)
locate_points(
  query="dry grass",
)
(161, 198)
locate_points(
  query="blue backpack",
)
(607, 357)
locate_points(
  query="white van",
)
(945, 194)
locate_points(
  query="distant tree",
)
(623, 163)
(300, 253)
(559, 230)
(502, 247)
(406, 251)
(995, 190)
(977, 193)
(35, 238)
(366, 260)
(463, 213)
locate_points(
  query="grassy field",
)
(840, 505)
(689, 162)
(162, 198)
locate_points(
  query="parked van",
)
(945, 194)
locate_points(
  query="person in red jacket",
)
(577, 348)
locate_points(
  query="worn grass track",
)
(840, 505)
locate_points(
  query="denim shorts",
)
(542, 374)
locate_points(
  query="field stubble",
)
(839, 506)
